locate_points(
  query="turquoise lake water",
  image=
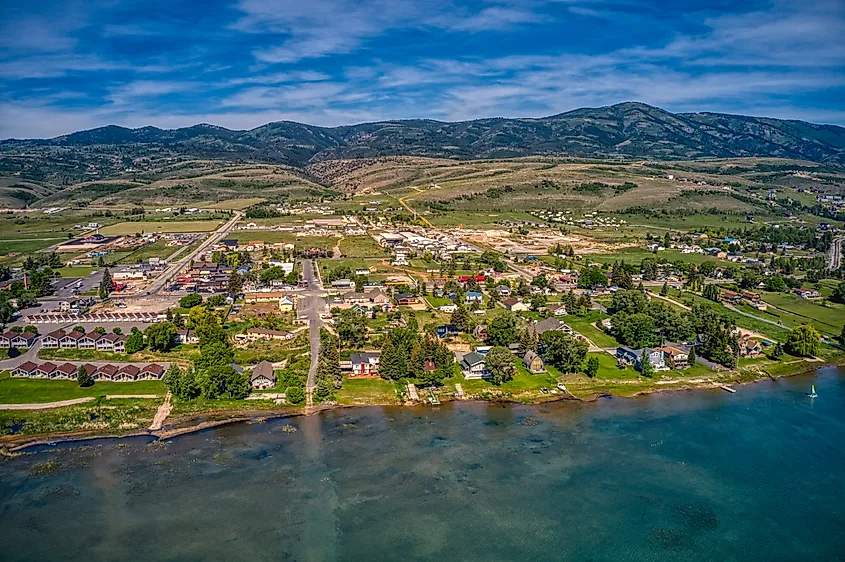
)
(706, 475)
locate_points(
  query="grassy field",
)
(110, 416)
(360, 247)
(32, 391)
(27, 246)
(172, 226)
(76, 271)
(366, 391)
(158, 249)
(792, 310)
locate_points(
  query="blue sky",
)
(71, 65)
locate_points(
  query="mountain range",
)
(632, 130)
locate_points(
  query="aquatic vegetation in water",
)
(288, 428)
(43, 468)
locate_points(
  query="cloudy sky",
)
(70, 65)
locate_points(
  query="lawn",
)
(27, 246)
(360, 247)
(76, 271)
(31, 391)
(366, 391)
(584, 326)
(170, 226)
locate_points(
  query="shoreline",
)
(10, 446)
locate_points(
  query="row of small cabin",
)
(18, 340)
(79, 340)
(114, 373)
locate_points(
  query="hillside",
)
(632, 130)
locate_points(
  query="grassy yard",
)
(172, 226)
(31, 391)
(360, 247)
(366, 391)
(584, 326)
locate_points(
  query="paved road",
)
(836, 253)
(176, 268)
(312, 303)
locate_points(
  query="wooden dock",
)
(459, 390)
(726, 388)
(412, 392)
(435, 400)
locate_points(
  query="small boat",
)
(812, 393)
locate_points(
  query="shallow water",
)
(706, 475)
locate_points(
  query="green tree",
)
(392, 362)
(538, 301)
(563, 351)
(462, 320)
(499, 362)
(803, 341)
(106, 284)
(633, 330)
(295, 395)
(630, 302)
(235, 283)
(591, 367)
(664, 290)
(351, 328)
(646, 368)
(83, 378)
(712, 292)
(777, 352)
(160, 336)
(838, 294)
(190, 301)
(135, 341)
(842, 336)
(591, 277)
(502, 330)
(215, 354)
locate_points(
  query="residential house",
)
(343, 284)
(364, 363)
(749, 347)
(45, 370)
(474, 296)
(17, 340)
(26, 369)
(635, 357)
(503, 290)
(126, 373)
(675, 357)
(88, 341)
(286, 304)
(480, 332)
(446, 330)
(533, 362)
(70, 340)
(405, 299)
(264, 334)
(103, 372)
(549, 325)
(473, 366)
(151, 372)
(515, 305)
(808, 294)
(106, 342)
(188, 337)
(556, 309)
(51, 340)
(263, 376)
(66, 371)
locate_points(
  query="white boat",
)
(812, 393)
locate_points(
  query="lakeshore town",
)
(299, 307)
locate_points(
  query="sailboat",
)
(813, 392)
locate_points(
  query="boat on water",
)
(812, 393)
